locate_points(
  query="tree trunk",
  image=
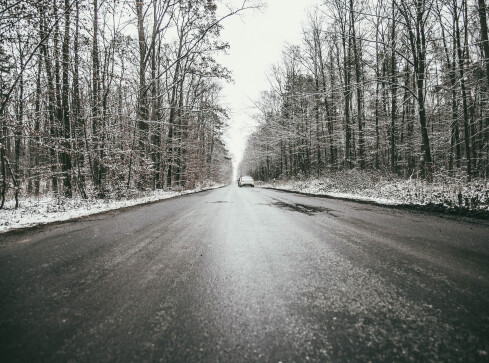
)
(96, 119)
(417, 40)
(66, 156)
(51, 99)
(461, 69)
(347, 97)
(359, 86)
(142, 94)
(394, 93)
(173, 106)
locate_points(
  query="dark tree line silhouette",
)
(102, 97)
(399, 86)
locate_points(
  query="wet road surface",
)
(247, 274)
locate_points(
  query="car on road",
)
(246, 180)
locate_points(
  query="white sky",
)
(257, 40)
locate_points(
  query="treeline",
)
(399, 86)
(98, 97)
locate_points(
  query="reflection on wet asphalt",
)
(248, 274)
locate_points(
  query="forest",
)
(101, 97)
(397, 87)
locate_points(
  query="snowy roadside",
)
(442, 195)
(38, 211)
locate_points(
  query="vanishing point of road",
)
(247, 274)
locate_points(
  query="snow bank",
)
(443, 193)
(36, 211)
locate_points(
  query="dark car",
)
(246, 180)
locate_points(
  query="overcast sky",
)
(257, 40)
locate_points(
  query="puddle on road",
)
(303, 208)
(295, 207)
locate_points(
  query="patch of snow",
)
(37, 211)
(392, 190)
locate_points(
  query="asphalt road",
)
(247, 274)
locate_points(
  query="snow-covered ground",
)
(444, 193)
(36, 211)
